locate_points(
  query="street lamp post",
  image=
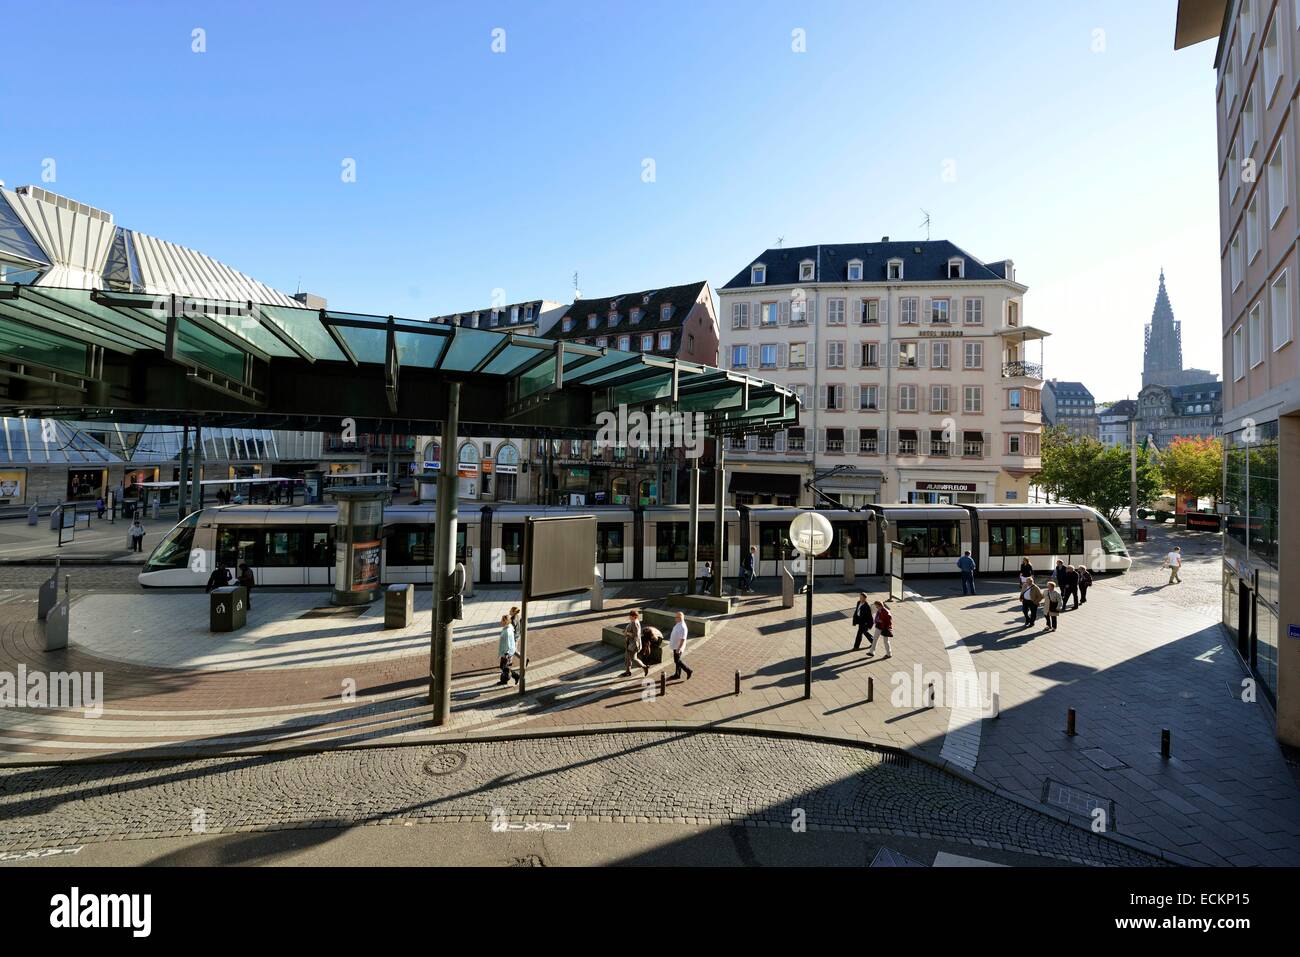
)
(811, 533)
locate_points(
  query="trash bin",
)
(228, 608)
(155, 509)
(399, 606)
(1142, 534)
(33, 516)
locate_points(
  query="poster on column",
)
(13, 486)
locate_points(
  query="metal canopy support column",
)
(719, 530)
(444, 565)
(196, 491)
(183, 486)
(693, 529)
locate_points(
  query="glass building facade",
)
(1250, 548)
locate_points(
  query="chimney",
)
(309, 300)
(884, 239)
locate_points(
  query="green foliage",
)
(1080, 469)
(1193, 466)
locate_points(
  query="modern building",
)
(1257, 60)
(910, 361)
(1071, 405)
(1162, 352)
(1168, 412)
(1113, 422)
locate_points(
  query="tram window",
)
(1036, 540)
(609, 543)
(945, 541)
(320, 549)
(915, 539)
(174, 550)
(512, 543)
(771, 539)
(1002, 540)
(1067, 539)
(672, 542)
(857, 533)
(410, 545)
(281, 548)
(236, 544)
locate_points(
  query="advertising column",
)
(358, 543)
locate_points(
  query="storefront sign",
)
(487, 466)
(945, 486)
(1293, 631)
(940, 333)
(503, 469)
(13, 486)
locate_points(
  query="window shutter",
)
(810, 313)
(851, 441)
(895, 350)
(783, 312)
(751, 443)
(859, 310)
(778, 442)
(821, 440)
(920, 355)
(782, 355)
(893, 438)
(884, 310)
(925, 310)
(857, 397)
(810, 355)
(821, 397)
(725, 357)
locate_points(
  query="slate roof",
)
(649, 301)
(1124, 409)
(465, 316)
(1072, 389)
(923, 261)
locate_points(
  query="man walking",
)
(862, 620)
(1174, 561)
(747, 570)
(631, 641)
(677, 641)
(1070, 587)
(967, 566)
(1030, 598)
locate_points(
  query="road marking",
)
(961, 745)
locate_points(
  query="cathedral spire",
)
(1163, 358)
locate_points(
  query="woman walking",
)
(1085, 582)
(1054, 603)
(1026, 570)
(884, 622)
(506, 651)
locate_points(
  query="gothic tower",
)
(1163, 359)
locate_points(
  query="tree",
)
(1192, 466)
(1080, 469)
(1111, 484)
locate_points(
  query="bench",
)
(705, 603)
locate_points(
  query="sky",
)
(506, 146)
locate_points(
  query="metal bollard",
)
(1164, 744)
(737, 681)
(929, 695)
(1069, 722)
(871, 689)
(997, 705)
(663, 684)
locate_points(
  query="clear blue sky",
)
(479, 170)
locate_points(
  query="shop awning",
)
(765, 483)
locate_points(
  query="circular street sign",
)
(810, 532)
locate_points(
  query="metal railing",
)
(1032, 370)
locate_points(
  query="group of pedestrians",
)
(873, 620)
(641, 643)
(222, 576)
(507, 647)
(1064, 583)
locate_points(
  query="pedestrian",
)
(1031, 596)
(1085, 582)
(884, 622)
(245, 578)
(514, 623)
(1058, 574)
(967, 566)
(1053, 603)
(652, 640)
(677, 641)
(863, 619)
(136, 534)
(1026, 569)
(1174, 561)
(506, 651)
(747, 569)
(219, 578)
(631, 641)
(1071, 587)
(99, 507)
(706, 577)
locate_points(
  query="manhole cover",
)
(1077, 802)
(445, 762)
(1103, 759)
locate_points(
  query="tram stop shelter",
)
(100, 355)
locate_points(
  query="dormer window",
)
(514, 314)
(528, 312)
(568, 324)
(806, 271)
(665, 312)
(592, 321)
(613, 317)
(634, 314)
(757, 274)
(956, 268)
(894, 269)
(855, 270)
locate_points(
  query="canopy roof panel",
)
(187, 355)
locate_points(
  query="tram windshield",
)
(1111, 543)
(174, 550)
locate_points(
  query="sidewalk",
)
(103, 541)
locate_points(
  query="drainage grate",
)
(888, 857)
(445, 761)
(335, 611)
(1077, 802)
(896, 759)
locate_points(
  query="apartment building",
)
(910, 361)
(1257, 62)
(1070, 405)
(1113, 421)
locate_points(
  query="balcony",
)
(1028, 370)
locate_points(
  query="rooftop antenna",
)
(577, 293)
(780, 241)
(926, 223)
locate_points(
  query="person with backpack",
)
(506, 651)
(884, 622)
(652, 640)
(1053, 604)
(1031, 596)
(1085, 582)
(862, 620)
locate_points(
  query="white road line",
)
(961, 745)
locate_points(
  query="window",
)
(624, 343)
(1252, 228)
(648, 342)
(972, 445)
(767, 314)
(767, 443)
(938, 355)
(1013, 399)
(956, 268)
(633, 316)
(665, 341)
(868, 398)
(1235, 167)
(665, 312)
(939, 311)
(868, 442)
(906, 444)
(834, 312)
(908, 309)
(869, 312)
(834, 440)
(794, 440)
(767, 356)
(1229, 84)
(1275, 178)
(973, 355)
(906, 399)
(567, 325)
(1013, 444)
(974, 312)
(602, 341)
(855, 270)
(690, 344)
(909, 354)
(740, 315)
(757, 274)
(1249, 123)
(895, 270)
(1246, 30)
(796, 310)
(835, 354)
(1254, 336)
(1272, 62)
(1234, 261)
(798, 355)
(593, 320)
(1279, 311)
(833, 398)
(973, 399)
(806, 271)
(938, 444)
(869, 355)
(740, 357)
(939, 398)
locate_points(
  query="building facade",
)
(1257, 61)
(1168, 412)
(910, 361)
(1113, 422)
(1070, 405)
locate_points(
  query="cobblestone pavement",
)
(683, 778)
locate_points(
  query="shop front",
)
(86, 485)
(959, 488)
(748, 487)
